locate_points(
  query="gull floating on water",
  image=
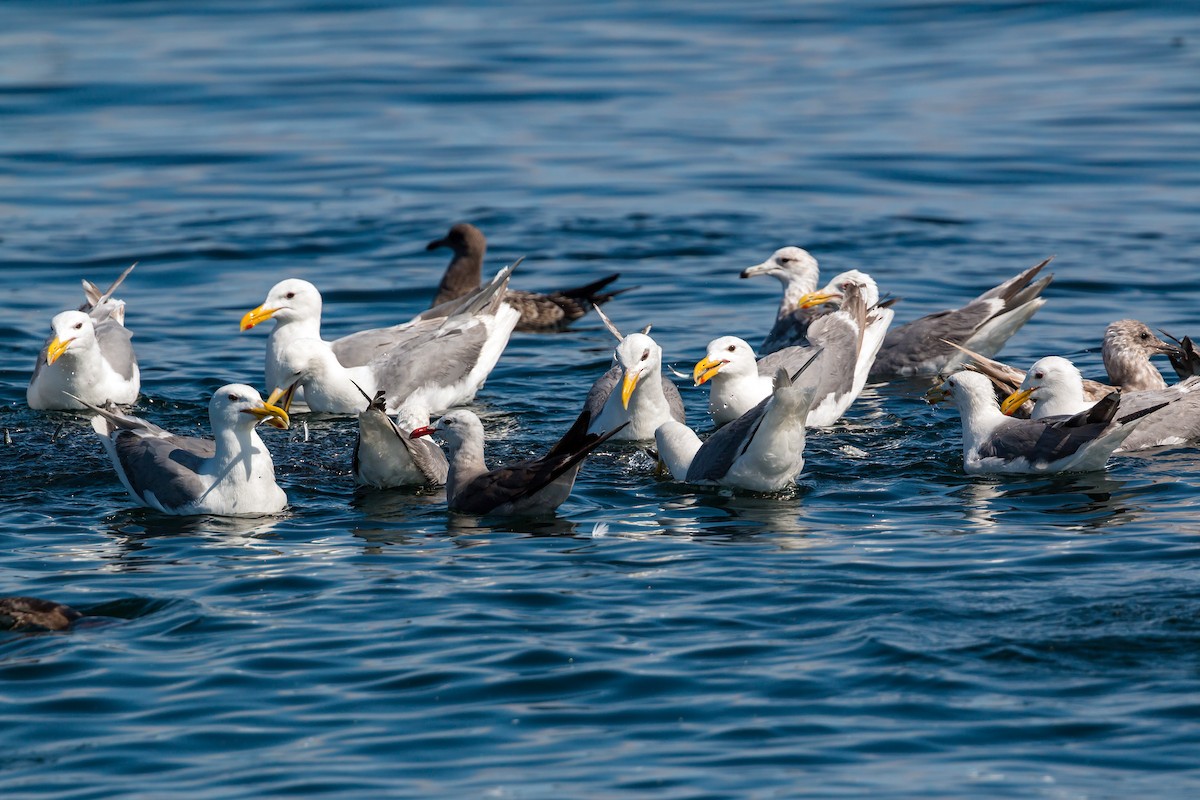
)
(442, 363)
(89, 355)
(849, 338)
(386, 456)
(1128, 347)
(645, 400)
(25, 613)
(1056, 388)
(926, 346)
(552, 311)
(231, 475)
(995, 443)
(761, 451)
(533, 487)
(797, 270)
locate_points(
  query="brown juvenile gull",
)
(995, 443)
(1128, 346)
(539, 312)
(533, 487)
(1056, 388)
(925, 346)
(231, 475)
(31, 613)
(760, 451)
(88, 355)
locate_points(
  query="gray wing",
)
(116, 346)
(787, 358)
(1178, 420)
(1039, 441)
(791, 328)
(165, 466)
(359, 349)
(719, 451)
(923, 341)
(674, 400)
(443, 360)
(840, 339)
(603, 388)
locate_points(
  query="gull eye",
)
(234, 398)
(732, 347)
(645, 355)
(1143, 336)
(290, 295)
(78, 325)
(1039, 375)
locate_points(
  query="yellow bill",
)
(1015, 401)
(56, 348)
(813, 299)
(256, 316)
(705, 369)
(631, 382)
(273, 415)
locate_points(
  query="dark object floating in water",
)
(33, 613)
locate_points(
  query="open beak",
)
(273, 415)
(937, 394)
(260, 314)
(56, 348)
(283, 397)
(816, 299)
(705, 369)
(630, 383)
(1015, 401)
(428, 430)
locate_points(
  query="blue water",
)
(890, 628)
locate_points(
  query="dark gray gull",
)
(34, 613)
(440, 364)
(1056, 388)
(760, 451)
(850, 338)
(797, 270)
(925, 346)
(386, 456)
(89, 355)
(231, 475)
(295, 306)
(533, 487)
(644, 399)
(551, 311)
(995, 443)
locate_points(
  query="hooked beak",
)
(764, 268)
(254, 317)
(816, 299)
(627, 387)
(56, 348)
(705, 369)
(428, 430)
(273, 415)
(1015, 401)
(284, 395)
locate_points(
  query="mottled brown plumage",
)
(30, 613)
(539, 312)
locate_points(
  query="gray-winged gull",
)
(925, 346)
(533, 487)
(443, 364)
(551, 311)
(761, 451)
(633, 395)
(995, 443)
(230, 475)
(797, 270)
(88, 355)
(386, 456)
(1056, 388)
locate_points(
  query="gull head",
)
(1128, 336)
(639, 356)
(1049, 379)
(288, 301)
(835, 290)
(72, 330)
(455, 429)
(238, 405)
(788, 264)
(968, 390)
(463, 238)
(726, 355)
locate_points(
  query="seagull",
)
(295, 306)
(797, 270)
(232, 476)
(849, 336)
(385, 456)
(539, 312)
(25, 613)
(88, 355)
(926, 346)
(995, 443)
(645, 400)
(1128, 346)
(1056, 388)
(533, 487)
(442, 363)
(760, 451)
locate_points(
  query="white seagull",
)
(231, 475)
(797, 270)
